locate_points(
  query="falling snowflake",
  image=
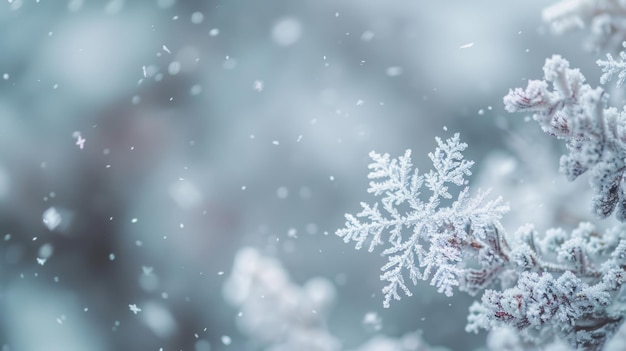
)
(258, 85)
(134, 309)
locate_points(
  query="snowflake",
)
(436, 236)
(134, 309)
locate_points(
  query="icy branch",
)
(575, 302)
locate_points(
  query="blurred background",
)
(144, 143)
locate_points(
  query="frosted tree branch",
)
(553, 286)
(595, 135)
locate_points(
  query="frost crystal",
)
(595, 136)
(610, 67)
(439, 238)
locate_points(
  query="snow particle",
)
(286, 31)
(80, 141)
(173, 68)
(111, 257)
(51, 218)
(226, 340)
(282, 192)
(372, 321)
(134, 220)
(367, 35)
(292, 233)
(195, 90)
(197, 17)
(134, 309)
(258, 85)
(394, 71)
(466, 46)
(214, 32)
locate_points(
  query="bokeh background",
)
(209, 126)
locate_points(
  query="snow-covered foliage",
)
(595, 135)
(547, 287)
(440, 237)
(604, 19)
(276, 314)
(567, 287)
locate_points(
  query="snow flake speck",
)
(394, 71)
(51, 218)
(197, 17)
(258, 85)
(134, 309)
(367, 35)
(282, 192)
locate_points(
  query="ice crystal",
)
(610, 67)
